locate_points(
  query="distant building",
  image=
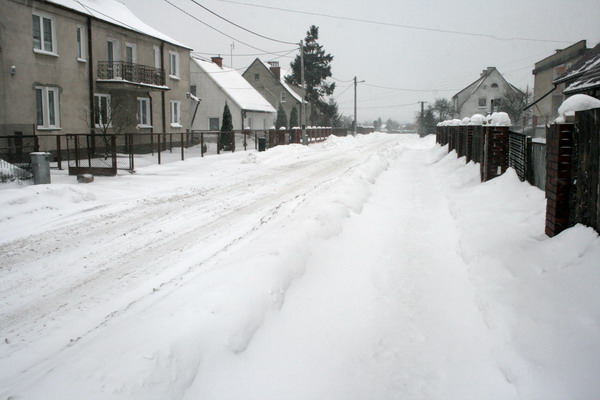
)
(483, 96)
(72, 66)
(547, 96)
(215, 85)
(269, 80)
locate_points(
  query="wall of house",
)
(485, 90)
(270, 88)
(126, 95)
(61, 70)
(71, 75)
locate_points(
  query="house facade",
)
(547, 96)
(269, 80)
(214, 86)
(88, 67)
(483, 96)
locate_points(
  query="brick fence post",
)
(495, 159)
(559, 149)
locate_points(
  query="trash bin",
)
(40, 167)
(262, 144)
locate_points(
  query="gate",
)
(94, 154)
(517, 154)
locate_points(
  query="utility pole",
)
(303, 108)
(422, 124)
(355, 120)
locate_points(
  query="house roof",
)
(475, 85)
(585, 64)
(116, 13)
(235, 86)
(583, 75)
(283, 73)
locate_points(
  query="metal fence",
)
(518, 154)
(15, 162)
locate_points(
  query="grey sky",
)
(430, 63)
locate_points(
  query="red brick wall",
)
(559, 145)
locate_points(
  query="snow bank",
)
(577, 102)
(477, 119)
(499, 119)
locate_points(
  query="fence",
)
(567, 166)
(15, 162)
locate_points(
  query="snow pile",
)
(375, 266)
(499, 119)
(577, 102)
(477, 119)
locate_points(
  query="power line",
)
(213, 28)
(421, 28)
(283, 52)
(377, 107)
(411, 90)
(241, 27)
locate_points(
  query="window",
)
(175, 114)
(282, 97)
(102, 114)
(44, 36)
(157, 59)
(113, 50)
(482, 102)
(256, 77)
(143, 114)
(494, 86)
(193, 90)
(130, 52)
(174, 64)
(47, 109)
(80, 36)
(213, 124)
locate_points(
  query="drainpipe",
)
(162, 93)
(90, 73)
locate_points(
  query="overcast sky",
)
(428, 48)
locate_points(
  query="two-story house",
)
(547, 96)
(89, 66)
(269, 81)
(483, 96)
(214, 85)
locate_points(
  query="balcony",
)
(128, 75)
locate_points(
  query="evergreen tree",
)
(329, 114)
(317, 68)
(281, 118)
(377, 124)
(294, 118)
(227, 135)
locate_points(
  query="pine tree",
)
(227, 135)
(281, 118)
(317, 68)
(294, 118)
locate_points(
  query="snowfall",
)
(368, 267)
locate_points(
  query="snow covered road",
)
(368, 267)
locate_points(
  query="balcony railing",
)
(131, 73)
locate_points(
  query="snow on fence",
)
(567, 166)
(15, 162)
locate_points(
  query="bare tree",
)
(513, 104)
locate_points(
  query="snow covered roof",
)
(235, 86)
(585, 74)
(283, 73)
(116, 13)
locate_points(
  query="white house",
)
(484, 95)
(213, 85)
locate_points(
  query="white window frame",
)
(81, 39)
(108, 111)
(479, 102)
(116, 49)
(175, 107)
(173, 64)
(42, 49)
(143, 105)
(133, 48)
(47, 97)
(157, 58)
(282, 97)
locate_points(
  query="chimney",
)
(275, 69)
(218, 60)
(483, 73)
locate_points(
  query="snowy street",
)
(375, 267)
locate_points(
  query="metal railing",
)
(15, 162)
(136, 73)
